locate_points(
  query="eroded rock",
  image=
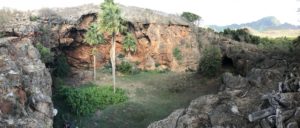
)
(25, 86)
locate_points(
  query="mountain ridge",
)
(263, 24)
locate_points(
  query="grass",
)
(152, 96)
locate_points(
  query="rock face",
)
(249, 98)
(157, 36)
(25, 86)
(239, 105)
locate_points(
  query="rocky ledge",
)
(25, 86)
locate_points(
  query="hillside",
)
(263, 24)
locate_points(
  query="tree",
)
(93, 37)
(129, 44)
(210, 63)
(110, 21)
(191, 17)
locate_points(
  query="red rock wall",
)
(155, 46)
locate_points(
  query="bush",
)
(62, 68)
(88, 99)
(191, 17)
(33, 18)
(276, 44)
(127, 68)
(177, 53)
(210, 63)
(46, 54)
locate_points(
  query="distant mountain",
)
(266, 23)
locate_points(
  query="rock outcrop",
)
(157, 35)
(249, 97)
(25, 86)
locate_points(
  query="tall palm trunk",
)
(94, 56)
(113, 60)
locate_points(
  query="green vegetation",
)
(129, 43)
(270, 44)
(127, 68)
(177, 53)
(33, 18)
(111, 22)
(2, 34)
(242, 35)
(88, 99)
(276, 44)
(191, 17)
(46, 55)
(44, 36)
(93, 37)
(210, 63)
(124, 67)
(62, 68)
(296, 42)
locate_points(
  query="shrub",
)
(177, 53)
(210, 63)
(191, 17)
(46, 54)
(276, 44)
(127, 68)
(88, 99)
(33, 18)
(62, 68)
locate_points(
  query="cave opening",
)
(227, 63)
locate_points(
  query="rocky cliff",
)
(262, 92)
(25, 86)
(157, 35)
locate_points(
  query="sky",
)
(217, 12)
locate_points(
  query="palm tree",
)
(110, 21)
(129, 44)
(93, 38)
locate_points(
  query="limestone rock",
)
(25, 86)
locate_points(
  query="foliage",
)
(46, 55)
(177, 53)
(129, 43)
(276, 44)
(191, 17)
(242, 35)
(44, 35)
(62, 68)
(93, 36)
(33, 18)
(210, 63)
(296, 42)
(110, 17)
(127, 68)
(2, 34)
(90, 97)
